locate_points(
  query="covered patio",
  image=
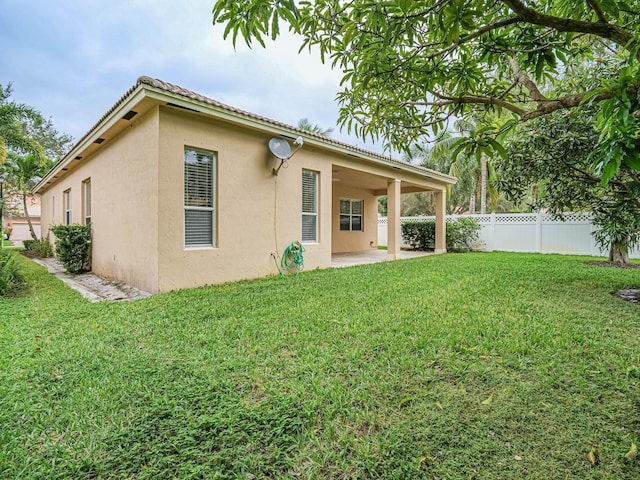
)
(355, 193)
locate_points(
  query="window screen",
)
(199, 198)
(309, 206)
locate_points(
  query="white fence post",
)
(539, 232)
(492, 229)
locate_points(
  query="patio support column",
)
(393, 219)
(441, 222)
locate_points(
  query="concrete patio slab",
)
(350, 259)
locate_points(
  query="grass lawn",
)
(468, 366)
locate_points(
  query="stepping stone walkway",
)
(91, 286)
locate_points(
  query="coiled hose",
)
(292, 258)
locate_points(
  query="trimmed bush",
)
(39, 248)
(420, 235)
(73, 246)
(10, 276)
(462, 234)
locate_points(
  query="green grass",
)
(468, 366)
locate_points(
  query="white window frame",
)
(313, 213)
(86, 201)
(212, 209)
(351, 215)
(66, 206)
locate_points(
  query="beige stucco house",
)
(180, 191)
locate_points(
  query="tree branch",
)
(469, 99)
(544, 105)
(534, 91)
(547, 106)
(598, 9)
(600, 29)
(502, 23)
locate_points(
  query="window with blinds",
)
(86, 192)
(199, 198)
(309, 206)
(66, 206)
(351, 215)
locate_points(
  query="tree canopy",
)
(554, 155)
(14, 117)
(411, 66)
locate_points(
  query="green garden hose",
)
(292, 258)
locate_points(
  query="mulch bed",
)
(603, 263)
(28, 253)
(629, 294)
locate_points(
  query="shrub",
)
(39, 248)
(420, 235)
(73, 246)
(10, 276)
(7, 231)
(462, 234)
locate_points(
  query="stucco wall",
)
(343, 241)
(124, 191)
(246, 202)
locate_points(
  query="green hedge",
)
(462, 234)
(40, 248)
(73, 246)
(10, 276)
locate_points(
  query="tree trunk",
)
(483, 183)
(472, 202)
(26, 214)
(619, 252)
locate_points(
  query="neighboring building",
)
(180, 192)
(15, 219)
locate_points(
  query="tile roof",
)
(175, 89)
(196, 97)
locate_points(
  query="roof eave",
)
(292, 133)
(146, 87)
(126, 103)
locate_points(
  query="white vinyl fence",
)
(527, 232)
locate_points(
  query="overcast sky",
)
(74, 59)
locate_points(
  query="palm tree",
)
(305, 124)
(22, 174)
(13, 136)
(468, 156)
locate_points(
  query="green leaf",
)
(407, 400)
(632, 453)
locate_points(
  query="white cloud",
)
(78, 60)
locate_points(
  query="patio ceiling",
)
(376, 183)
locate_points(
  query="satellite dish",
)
(280, 148)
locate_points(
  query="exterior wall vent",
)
(169, 104)
(129, 115)
(99, 141)
(78, 158)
